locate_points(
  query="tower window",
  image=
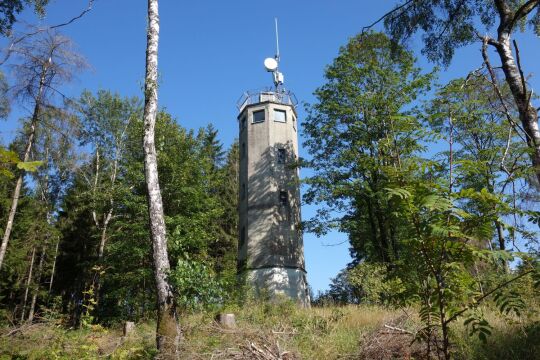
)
(243, 193)
(283, 198)
(242, 237)
(280, 116)
(243, 153)
(281, 156)
(294, 123)
(258, 116)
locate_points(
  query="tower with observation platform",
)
(270, 244)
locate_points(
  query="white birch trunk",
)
(108, 217)
(528, 115)
(54, 266)
(168, 330)
(36, 288)
(28, 282)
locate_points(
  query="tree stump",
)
(226, 321)
(129, 326)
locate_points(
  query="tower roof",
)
(280, 96)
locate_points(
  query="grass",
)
(52, 341)
(511, 338)
(326, 333)
(317, 333)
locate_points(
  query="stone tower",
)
(270, 246)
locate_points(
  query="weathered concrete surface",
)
(271, 250)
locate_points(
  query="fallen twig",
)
(397, 329)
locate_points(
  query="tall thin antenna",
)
(272, 64)
(277, 40)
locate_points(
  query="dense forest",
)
(436, 185)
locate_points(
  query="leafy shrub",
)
(195, 285)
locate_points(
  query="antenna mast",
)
(277, 40)
(272, 64)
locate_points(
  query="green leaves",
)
(195, 285)
(478, 325)
(536, 279)
(29, 165)
(509, 302)
(436, 203)
(494, 257)
(9, 158)
(365, 142)
(400, 193)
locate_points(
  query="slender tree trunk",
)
(500, 235)
(374, 230)
(28, 282)
(53, 266)
(106, 218)
(168, 330)
(528, 115)
(94, 189)
(515, 78)
(97, 278)
(382, 232)
(109, 215)
(18, 185)
(103, 239)
(36, 288)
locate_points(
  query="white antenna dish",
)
(270, 64)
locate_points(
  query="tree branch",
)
(88, 8)
(40, 30)
(523, 11)
(339, 243)
(518, 59)
(406, 3)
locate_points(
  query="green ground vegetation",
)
(325, 332)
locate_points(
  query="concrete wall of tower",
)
(271, 251)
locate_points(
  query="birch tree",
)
(168, 330)
(105, 119)
(447, 25)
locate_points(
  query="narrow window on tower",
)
(283, 198)
(258, 116)
(281, 156)
(243, 193)
(294, 123)
(242, 237)
(280, 116)
(243, 153)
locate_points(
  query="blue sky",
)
(210, 52)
